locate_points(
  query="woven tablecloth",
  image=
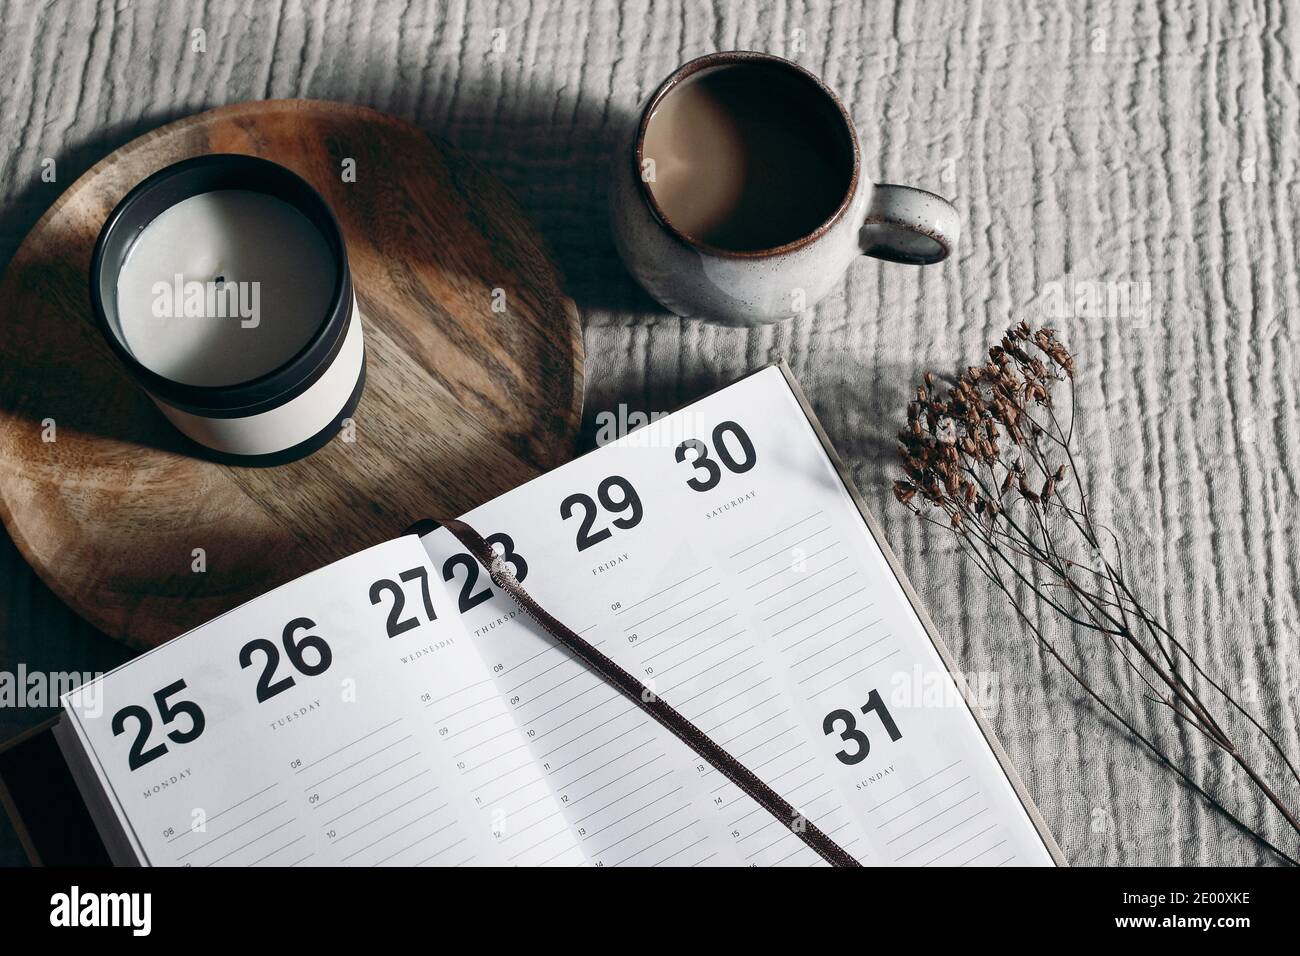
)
(1146, 152)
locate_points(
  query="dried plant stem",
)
(1122, 720)
(980, 465)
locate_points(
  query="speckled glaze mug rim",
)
(731, 58)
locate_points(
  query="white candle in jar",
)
(224, 287)
(222, 284)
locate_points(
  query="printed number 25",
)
(168, 711)
(850, 733)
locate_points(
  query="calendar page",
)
(395, 708)
(295, 730)
(717, 554)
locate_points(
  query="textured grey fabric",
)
(1113, 142)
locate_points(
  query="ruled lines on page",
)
(261, 828)
(676, 624)
(467, 715)
(379, 802)
(470, 716)
(612, 766)
(815, 605)
(928, 822)
(624, 786)
(820, 619)
(626, 783)
(909, 759)
(716, 554)
(699, 652)
(283, 733)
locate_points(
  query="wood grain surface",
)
(462, 401)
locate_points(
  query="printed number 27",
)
(850, 733)
(396, 623)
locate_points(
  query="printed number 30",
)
(703, 463)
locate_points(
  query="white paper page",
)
(852, 651)
(658, 609)
(629, 790)
(745, 587)
(286, 733)
(468, 715)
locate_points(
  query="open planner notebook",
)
(395, 708)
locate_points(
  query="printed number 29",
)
(627, 505)
(850, 733)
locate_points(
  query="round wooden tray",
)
(461, 402)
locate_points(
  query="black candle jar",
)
(305, 373)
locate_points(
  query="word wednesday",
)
(103, 909)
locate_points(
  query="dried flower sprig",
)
(990, 459)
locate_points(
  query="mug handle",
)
(910, 225)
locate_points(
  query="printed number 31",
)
(850, 733)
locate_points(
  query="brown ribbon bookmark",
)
(731, 768)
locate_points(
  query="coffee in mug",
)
(739, 195)
(745, 158)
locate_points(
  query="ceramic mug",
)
(730, 282)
